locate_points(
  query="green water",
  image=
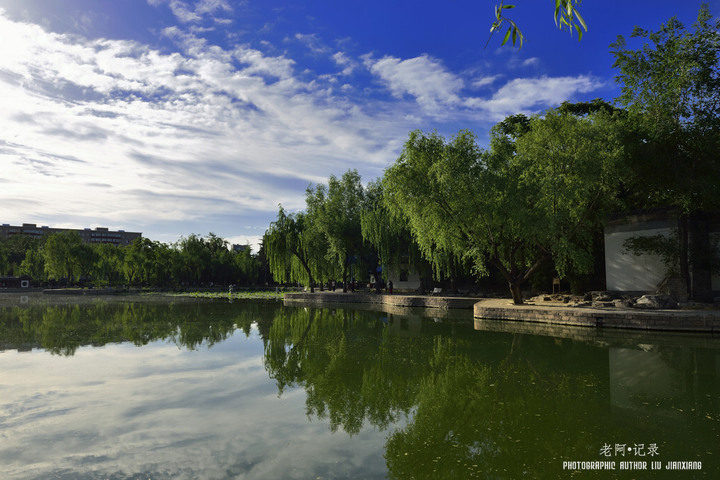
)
(195, 389)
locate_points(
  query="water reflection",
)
(435, 398)
(62, 329)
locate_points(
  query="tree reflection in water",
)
(62, 329)
(457, 403)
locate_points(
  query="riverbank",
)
(707, 321)
(398, 300)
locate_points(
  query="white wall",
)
(628, 272)
(412, 283)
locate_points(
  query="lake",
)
(151, 388)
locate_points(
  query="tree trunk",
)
(683, 233)
(311, 280)
(453, 285)
(516, 293)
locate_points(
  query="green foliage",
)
(193, 260)
(295, 249)
(335, 212)
(65, 255)
(428, 187)
(62, 329)
(33, 265)
(12, 253)
(388, 233)
(671, 89)
(566, 15)
(539, 193)
(570, 168)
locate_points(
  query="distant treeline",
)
(63, 258)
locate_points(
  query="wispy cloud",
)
(423, 77)
(209, 118)
(196, 11)
(207, 131)
(529, 95)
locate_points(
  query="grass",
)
(239, 295)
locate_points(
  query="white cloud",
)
(193, 12)
(344, 61)
(313, 43)
(423, 77)
(528, 95)
(485, 81)
(119, 131)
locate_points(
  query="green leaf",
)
(580, 19)
(507, 36)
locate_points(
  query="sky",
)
(174, 117)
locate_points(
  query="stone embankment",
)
(600, 317)
(409, 301)
(594, 315)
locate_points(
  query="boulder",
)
(623, 303)
(656, 302)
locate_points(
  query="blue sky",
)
(173, 117)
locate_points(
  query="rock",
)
(602, 304)
(656, 302)
(622, 303)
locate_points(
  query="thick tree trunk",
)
(516, 293)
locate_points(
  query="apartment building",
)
(97, 235)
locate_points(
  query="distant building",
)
(239, 248)
(98, 235)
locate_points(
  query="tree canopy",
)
(671, 89)
(295, 249)
(536, 195)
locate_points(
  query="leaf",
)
(580, 19)
(507, 36)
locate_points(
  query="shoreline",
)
(548, 314)
(691, 321)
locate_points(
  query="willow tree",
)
(65, 255)
(567, 17)
(389, 234)
(534, 197)
(335, 210)
(295, 249)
